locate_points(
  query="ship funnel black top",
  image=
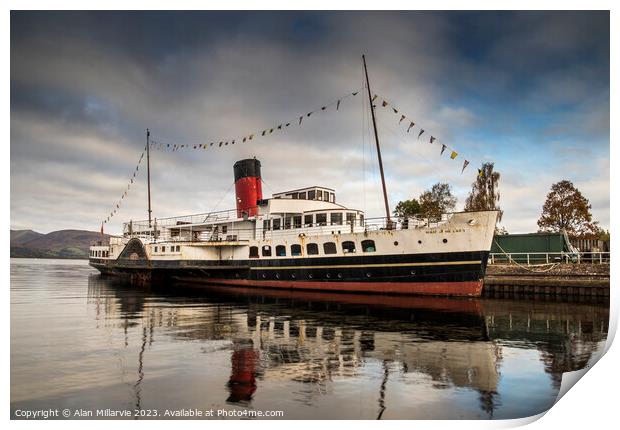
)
(248, 168)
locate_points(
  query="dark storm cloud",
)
(84, 86)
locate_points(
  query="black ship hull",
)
(455, 274)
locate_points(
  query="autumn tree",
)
(567, 209)
(407, 208)
(436, 201)
(484, 193)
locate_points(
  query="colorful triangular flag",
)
(338, 103)
(453, 155)
(432, 139)
(420, 134)
(443, 148)
(402, 117)
(464, 165)
(411, 124)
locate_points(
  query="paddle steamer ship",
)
(304, 239)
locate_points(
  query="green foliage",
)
(407, 208)
(484, 193)
(431, 203)
(436, 201)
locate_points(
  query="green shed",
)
(541, 247)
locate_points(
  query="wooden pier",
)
(562, 280)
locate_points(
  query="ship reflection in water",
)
(315, 355)
(319, 340)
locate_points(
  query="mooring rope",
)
(510, 259)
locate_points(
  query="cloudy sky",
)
(528, 91)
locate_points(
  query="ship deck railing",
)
(176, 230)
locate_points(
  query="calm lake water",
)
(81, 342)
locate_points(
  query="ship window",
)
(281, 251)
(312, 249)
(361, 220)
(311, 195)
(276, 223)
(253, 251)
(266, 224)
(302, 196)
(266, 251)
(295, 196)
(348, 247)
(295, 250)
(179, 249)
(336, 218)
(350, 218)
(332, 197)
(163, 249)
(321, 219)
(155, 249)
(368, 246)
(287, 223)
(319, 195)
(297, 221)
(224, 229)
(329, 248)
(308, 220)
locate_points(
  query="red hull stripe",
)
(465, 288)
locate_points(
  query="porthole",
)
(420, 242)
(310, 276)
(339, 275)
(368, 275)
(445, 241)
(395, 243)
(277, 276)
(412, 272)
(292, 276)
(264, 276)
(328, 276)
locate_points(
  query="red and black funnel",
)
(248, 189)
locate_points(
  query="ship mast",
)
(148, 171)
(374, 126)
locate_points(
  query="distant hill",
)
(19, 237)
(57, 244)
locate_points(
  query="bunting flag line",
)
(401, 117)
(117, 205)
(173, 147)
